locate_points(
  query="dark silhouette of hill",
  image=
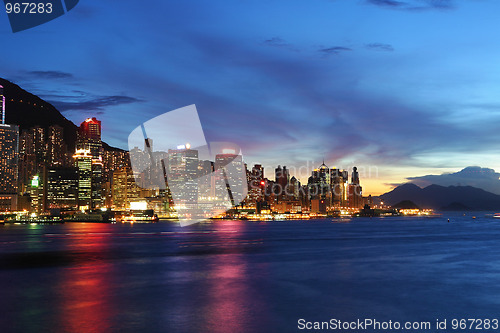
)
(444, 198)
(405, 204)
(27, 110)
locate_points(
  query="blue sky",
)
(401, 88)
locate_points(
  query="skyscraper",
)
(235, 172)
(89, 140)
(355, 190)
(282, 178)
(56, 149)
(89, 137)
(256, 184)
(62, 188)
(2, 105)
(83, 161)
(182, 174)
(9, 153)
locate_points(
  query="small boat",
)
(496, 215)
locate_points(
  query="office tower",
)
(9, 153)
(233, 167)
(96, 184)
(355, 176)
(89, 137)
(339, 181)
(2, 105)
(256, 185)
(124, 189)
(56, 149)
(293, 188)
(182, 175)
(83, 161)
(62, 188)
(355, 190)
(207, 189)
(319, 182)
(89, 140)
(282, 178)
(114, 160)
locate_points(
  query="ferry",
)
(138, 216)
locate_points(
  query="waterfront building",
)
(62, 185)
(9, 154)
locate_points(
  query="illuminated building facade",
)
(62, 188)
(9, 153)
(182, 174)
(339, 181)
(2, 105)
(124, 188)
(235, 172)
(83, 161)
(355, 191)
(256, 185)
(89, 144)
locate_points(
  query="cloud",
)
(334, 50)
(413, 4)
(487, 179)
(93, 104)
(279, 43)
(380, 47)
(50, 74)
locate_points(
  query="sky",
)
(400, 89)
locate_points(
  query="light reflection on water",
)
(234, 276)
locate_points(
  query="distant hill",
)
(27, 110)
(443, 198)
(405, 204)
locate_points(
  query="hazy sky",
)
(401, 88)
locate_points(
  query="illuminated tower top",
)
(2, 105)
(91, 129)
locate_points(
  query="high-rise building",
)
(182, 175)
(89, 140)
(9, 153)
(339, 181)
(62, 188)
(56, 149)
(319, 184)
(256, 185)
(2, 105)
(83, 161)
(355, 190)
(282, 178)
(89, 137)
(233, 167)
(124, 188)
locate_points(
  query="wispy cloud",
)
(279, 43)
(413, 4)
(334, 50)
(380, 47)
(50, 74)
(93, 104)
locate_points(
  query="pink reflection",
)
(85, 288)
(228, 292)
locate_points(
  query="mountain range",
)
(443, 198)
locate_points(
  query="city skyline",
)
(405, 87)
